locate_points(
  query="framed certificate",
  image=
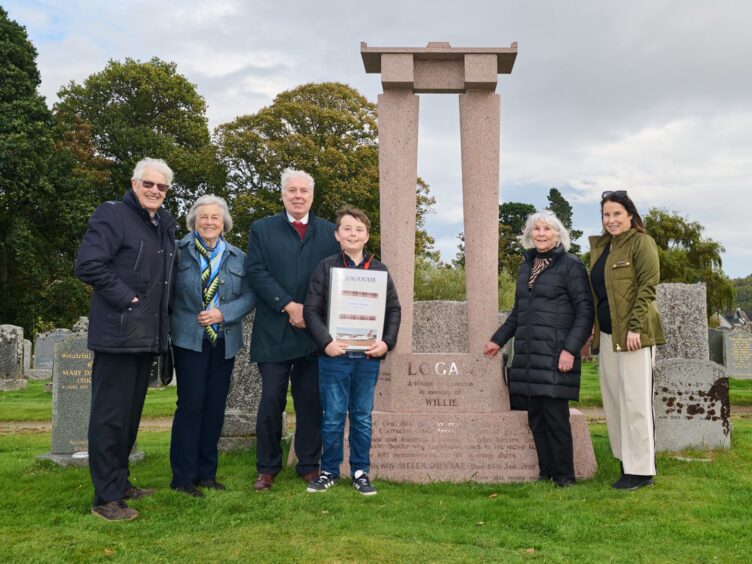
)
(357, 302)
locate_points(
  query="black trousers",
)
(303, 373)
(549, 421)
(203, 383)
(118, 391)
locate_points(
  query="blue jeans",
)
(346, 384)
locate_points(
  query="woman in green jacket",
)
(624, 274)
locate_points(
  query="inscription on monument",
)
(71, 395)
(737, 353)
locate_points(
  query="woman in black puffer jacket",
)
(551, 320)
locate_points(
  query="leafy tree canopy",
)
(686, 256)
(327, 129)
(133, 110)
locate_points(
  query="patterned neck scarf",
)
(209, 262)
(540, 263)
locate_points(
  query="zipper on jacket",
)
(138, 258)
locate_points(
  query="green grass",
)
(698, 511)
(34, 404)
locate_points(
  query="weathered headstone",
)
(71, 402)
(715, 345)
(26, 355)
(11, 358)
(444, 415)
(684, 315)
(691, 405)
(44, 347)
(737, 353)
(239, 428)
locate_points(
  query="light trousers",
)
(627, 389)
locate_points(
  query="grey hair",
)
(156, 164)
(289, 174)
(207, 200)
(549, 218)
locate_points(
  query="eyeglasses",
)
(148, 184)
(609, 193)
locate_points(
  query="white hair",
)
(289, 174)
(207, 200)
(156, 164)
(549, 218)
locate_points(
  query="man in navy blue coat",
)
(127, 258)
(282, 251)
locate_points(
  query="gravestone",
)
(71, 402)
(239, 427)
(715, 345)
(683, 311)
(26, 355)
(443, 415)
(12, 358)
(44, 347)
(737, 353)
(691, 405)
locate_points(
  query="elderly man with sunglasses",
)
(127, 258)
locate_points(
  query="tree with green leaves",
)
(558, 204)
(45, 197)
(136, 109)
(327, 129)
(686, 256)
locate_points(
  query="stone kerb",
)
(12, 358)
(691, 405)
(737, 353)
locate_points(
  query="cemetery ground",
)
(699, 510)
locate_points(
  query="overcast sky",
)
(653, 96)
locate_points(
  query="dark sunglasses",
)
(609, 193)
(148, 184)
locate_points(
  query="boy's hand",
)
(335, 349)
(377, 349)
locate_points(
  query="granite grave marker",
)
(737, 353)
(12, 358)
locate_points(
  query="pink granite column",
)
(479, 130)
(398, 177)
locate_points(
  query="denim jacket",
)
(236, 299)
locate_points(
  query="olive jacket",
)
(632, 272)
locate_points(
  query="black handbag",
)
(166, 364)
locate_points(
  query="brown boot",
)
(138, 493)
(263, 482)
(114, 511)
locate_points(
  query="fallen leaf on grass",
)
(480, 523)
(324, 512)
(108, 552)
(493, 496)
(530, 550)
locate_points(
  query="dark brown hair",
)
(620, 197)
(357, 213)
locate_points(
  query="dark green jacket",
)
(632, 272)
(279, 265)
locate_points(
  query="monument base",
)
(464, 447)
(38, 373)
(83, 461)
(10, 385)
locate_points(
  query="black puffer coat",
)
(556, 314)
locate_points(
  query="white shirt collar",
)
(290, 218)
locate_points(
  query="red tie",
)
(300, 227)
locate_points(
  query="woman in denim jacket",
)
(212, 296)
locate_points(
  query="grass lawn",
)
(698, 511)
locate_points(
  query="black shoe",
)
(210, 483)
(188, 489)
(544, 478)
(362, 484)
(565, 482)
(322, 483)
(631, 482)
